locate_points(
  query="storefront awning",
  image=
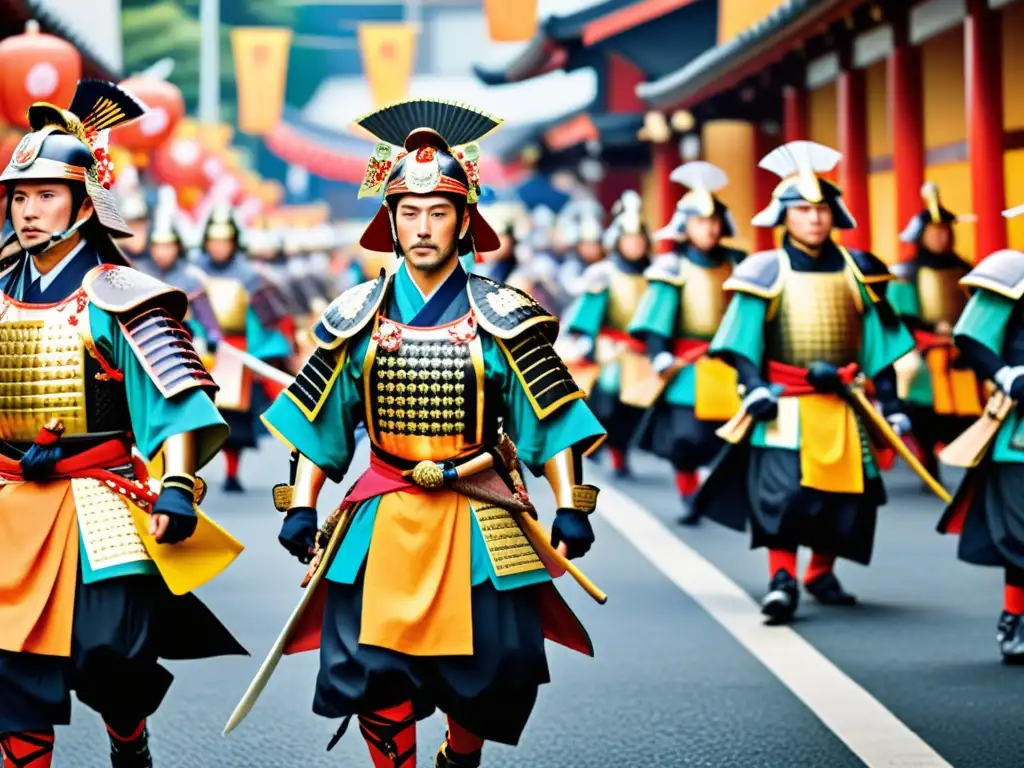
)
(726, 65)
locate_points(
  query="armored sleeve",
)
(165, 350)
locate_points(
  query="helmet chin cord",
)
(40, 248)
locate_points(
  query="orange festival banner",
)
(388, 53)
(261, 71)
(511, 22)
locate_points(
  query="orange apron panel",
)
(38, 567)
(717, 397)
(416, 591)
(830, 449)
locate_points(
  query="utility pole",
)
(209, 62)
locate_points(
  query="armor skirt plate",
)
(674, 433)
(491, 693)
(122, 628)
(993, 529)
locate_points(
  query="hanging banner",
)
(261, 71)
(509, 22)
(388, 52)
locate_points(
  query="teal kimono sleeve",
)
(657, 311)
(883, 344)
(264, 343)
(984, 319)
(328, 438)
(536, 439)
(197, 330)
(742, 329)
(585, 316)
(902, 297)
(154, 416)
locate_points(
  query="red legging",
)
(27, 749)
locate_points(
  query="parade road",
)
(685, 673)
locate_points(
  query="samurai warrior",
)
(101, 385)
(988, 508)
(432, 575)
(807, 324)
(693, 394)
(250, 311)
(580, 229)
(599, 318)
(941, 394)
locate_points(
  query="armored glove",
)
(298, 533)
(762, 404)
(898, 420)
(1011, 381)
(573, 527)
(177, 501)
(824, 377)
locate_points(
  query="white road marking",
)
(871, 731)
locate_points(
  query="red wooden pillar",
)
(794, 114)
(852, 103)
(764, 185)
(906, 112)
(983, 73)
(666, 159)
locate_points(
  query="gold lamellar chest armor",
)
(818, 318)
(48, 372)
(624, 293)
(425, 399)
(230, 302)
(703, 302)
(940, 297)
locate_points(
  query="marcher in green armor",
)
(437, 596)
(806, 320)
(677, 317)
(98, 377)
(942, 396)
(599, 319)
(988, 508)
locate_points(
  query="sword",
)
(861, 403)
(257, 366)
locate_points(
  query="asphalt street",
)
(669, 686)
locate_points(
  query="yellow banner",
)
(511, 22)
(261, 70)
(388, 53)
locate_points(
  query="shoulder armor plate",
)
(904, 270)
(543, 375)
(310, 388)
(351, 311)
(505, 312)
(867, 267)
(666, 269)
(760, 274)
(1002, 272)
(165, 349)
(120, 289)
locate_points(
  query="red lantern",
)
(179, 162)
(36, 67)
(165, 107)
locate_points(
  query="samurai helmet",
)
(627, 218)
(426, 147)
(799, 164)
(69, 145)
(221, 224)
(166, 218)
(703, 180)
(933, 213)
(581, 221)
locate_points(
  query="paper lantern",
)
(179, 163)
(36, 67)
(509, 22)
(165, 107)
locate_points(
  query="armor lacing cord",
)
(27, 749)
(390, 735)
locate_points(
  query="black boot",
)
(232, 485)
(446, 758)
(1012, 646)
(689, 516)
(1007, 625)
(827, 590)
(783, 597)
(131, 750)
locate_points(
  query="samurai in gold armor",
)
(436, 596)
(941, 392)
(250, 312)
(97, 377)
(600, 318)
(807, 323)
(680, 312)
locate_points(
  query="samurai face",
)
(164, 254)
(140, 231)
(937, 238)
(221, 249)
(590, 252)
(810, 224)
(633, 246)
(705, 232)
(429, 229)
(41, 209)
